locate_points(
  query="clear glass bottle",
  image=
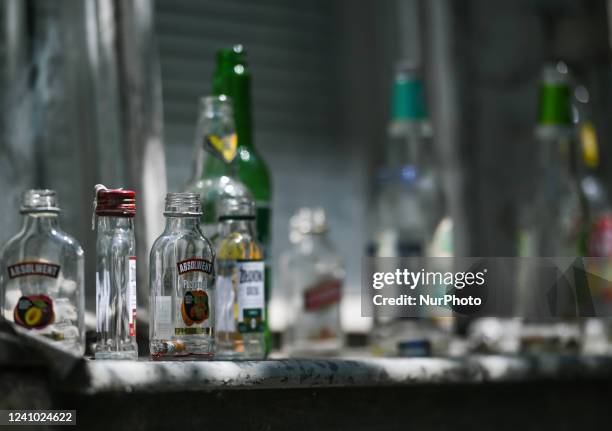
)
(240, 289)
(42, 277)
(552, 224)
(115, 274)
(216, 145)
(182, 284)
(315, 273)
(408, 215)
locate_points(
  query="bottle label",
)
(194, 307)
(163, 316)
(251, 296)
(132, 294)
(599, 241)
(322, 295)
(34, 312)
(223, 147)
(23, 269)
(191, 265)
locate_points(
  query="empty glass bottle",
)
(216, 146)
(315, 273)
(42, 277)
(182, 284)
(115, 274)
(240, 289)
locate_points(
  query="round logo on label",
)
(34, 311)
(194, 308)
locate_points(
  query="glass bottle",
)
(552, 224)
(408, 216)
(315, 273)
(240, 290)
(115, 274)
(232, 78)
(42, 277)
(214, 176)
(182, 284)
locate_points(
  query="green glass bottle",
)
(232, 78)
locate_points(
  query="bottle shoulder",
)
(52, 238)
(169, 242)
(254, 172)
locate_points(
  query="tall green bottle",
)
(233, 79)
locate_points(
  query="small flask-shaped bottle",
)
(240, 306)
(314, 272)
(115, 274)
(42, 275)
(182, 284)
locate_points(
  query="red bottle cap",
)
(116, 202)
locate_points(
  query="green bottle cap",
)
(408, 102)
(555, 97)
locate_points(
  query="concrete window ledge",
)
(478, 392)
(118, 376)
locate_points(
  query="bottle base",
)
(127, 355)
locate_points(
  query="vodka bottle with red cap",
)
(115, 274)
(42, 275)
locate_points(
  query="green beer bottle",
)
(232, 78)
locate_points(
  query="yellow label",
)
(590, 148)
(225, 147)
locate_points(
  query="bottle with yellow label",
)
(241, 312)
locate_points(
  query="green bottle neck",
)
(233, 80)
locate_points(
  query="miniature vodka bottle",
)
(115, 274)
(240, 307)
(42, 275)
(314, 272)
(182, 284)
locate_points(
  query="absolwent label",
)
(23, 269)
(195, 264)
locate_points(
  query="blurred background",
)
(106, 91)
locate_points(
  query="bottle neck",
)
(207, 165)
(311, 241)
(408, 144)
(242, 111)
(109, 223)
(229, 226)
(40, 222)
(181, 224)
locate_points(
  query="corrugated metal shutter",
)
(290, 53)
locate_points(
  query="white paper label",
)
(251, 295)
(163, 317)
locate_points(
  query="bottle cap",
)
(39, 200)
(115, 202)
(408, 102)
(555, 96)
